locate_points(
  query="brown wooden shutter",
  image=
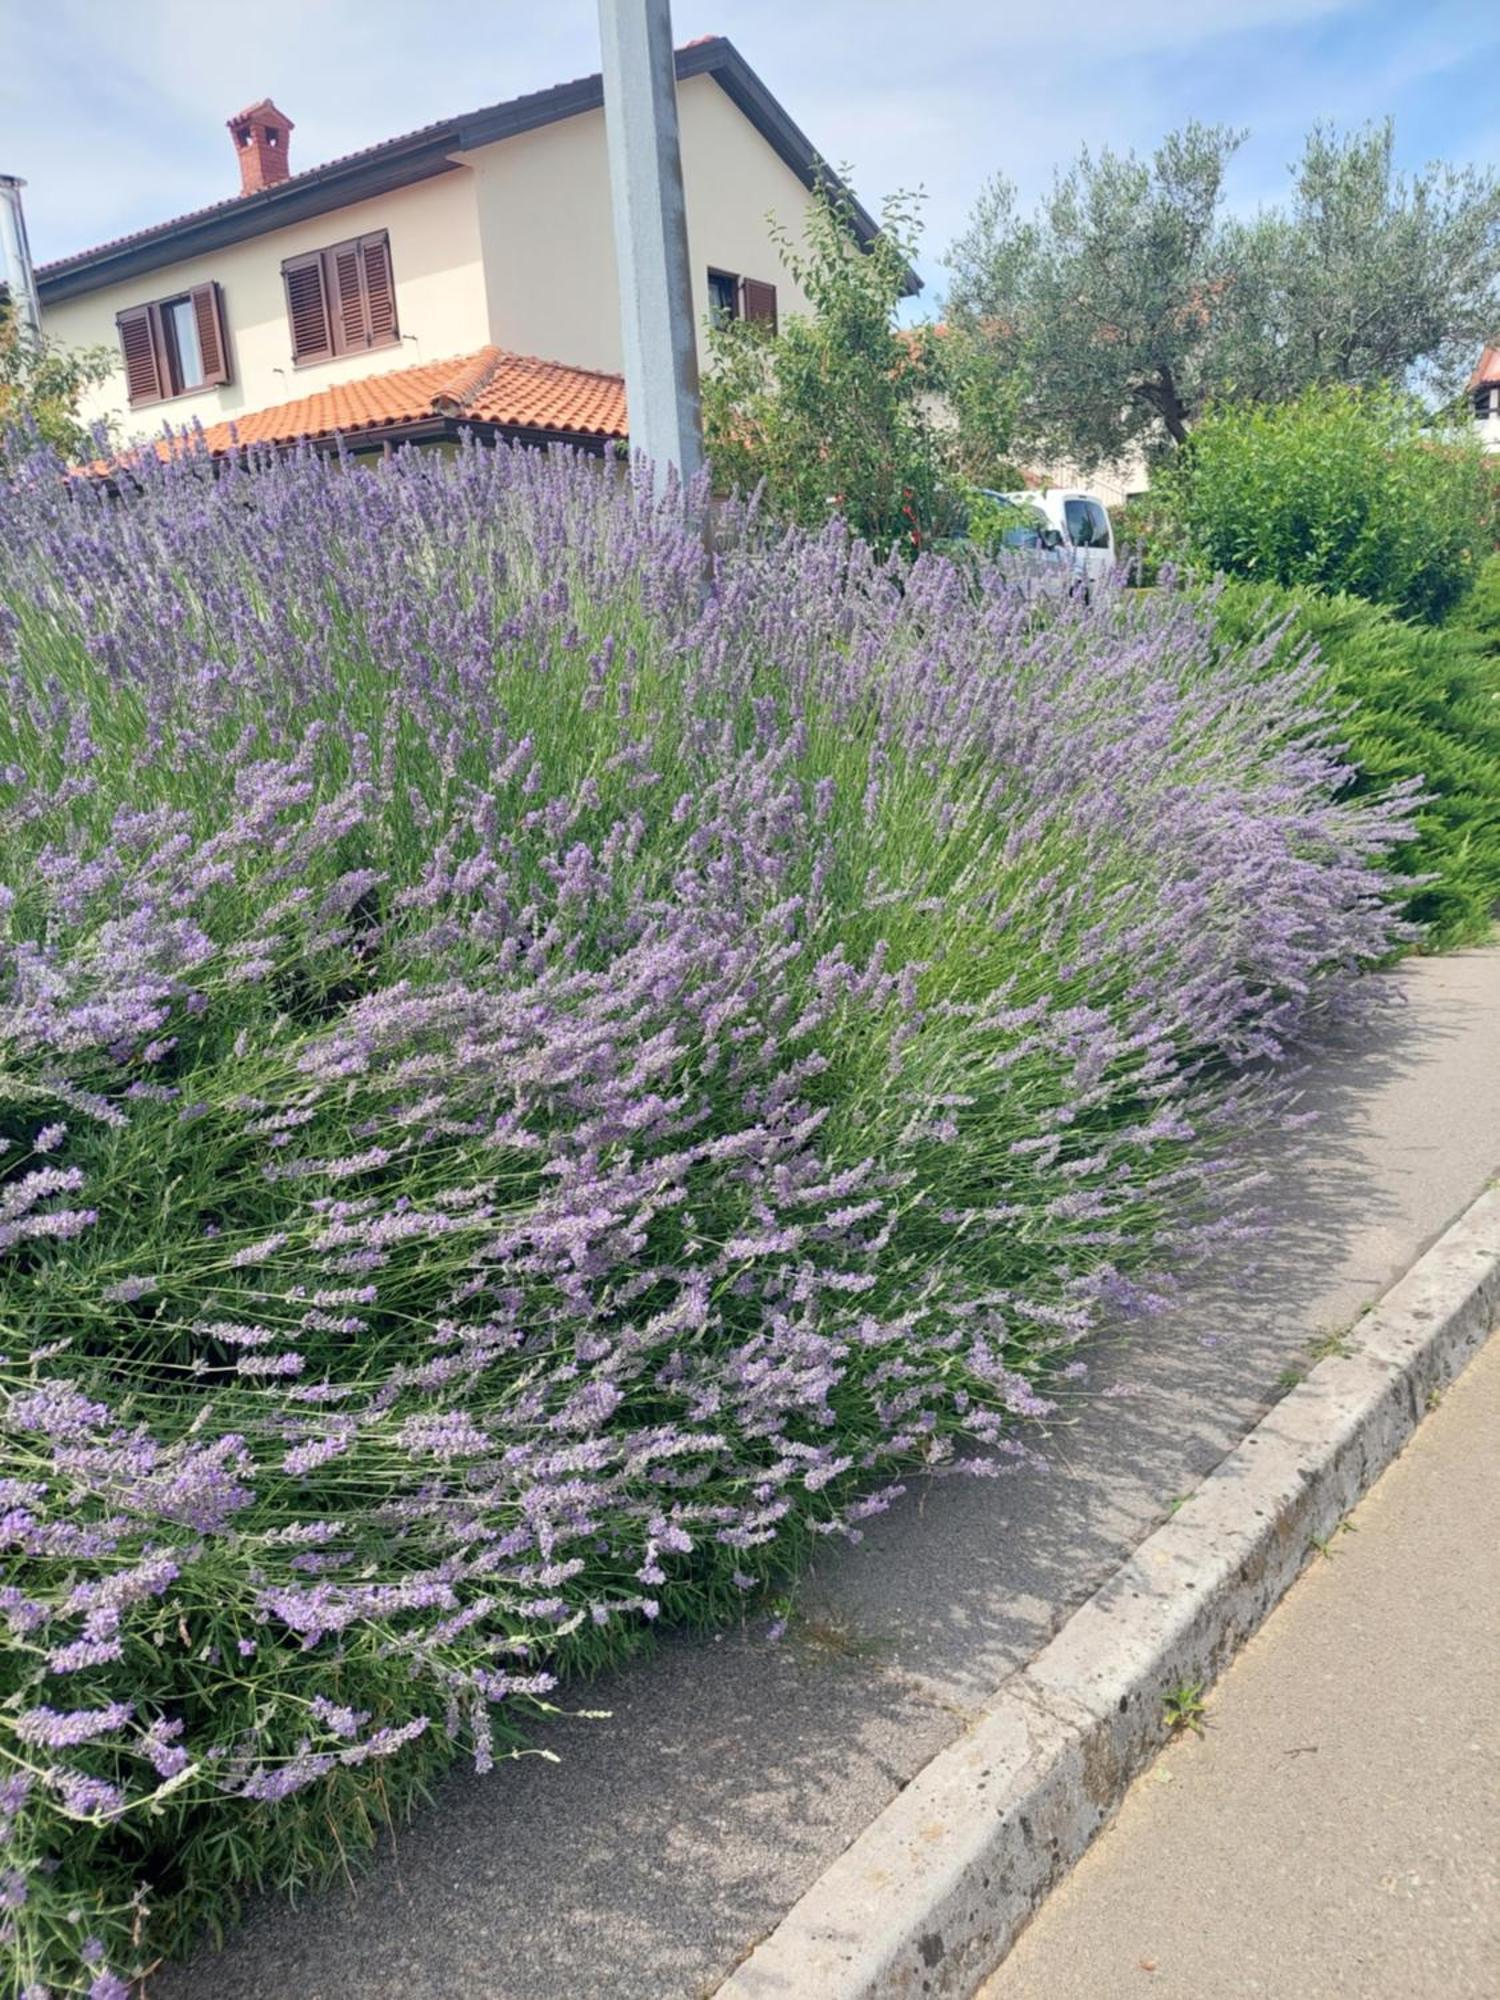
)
(758, 302)
(208, 313)
(380, 291)
(144, 374)
(307, 307)
(346, 285)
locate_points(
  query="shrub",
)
(1146, 536)
(532, 1092)
(41, 387)
(1413, 703)
(1342, 490)
(1479, 613)
(831, 414)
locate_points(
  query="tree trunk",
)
(1161, 394)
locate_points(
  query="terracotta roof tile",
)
(1487, 374)
(493, 386)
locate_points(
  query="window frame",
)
(335, 298)
(718, 310)
(165, 349)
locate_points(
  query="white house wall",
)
(440, 305)
(548, 235)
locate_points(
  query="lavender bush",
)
(535, 1080)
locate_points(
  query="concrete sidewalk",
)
(675, 1834)
(1336, 1830)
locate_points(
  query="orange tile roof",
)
(491, 387)
(1487, 374)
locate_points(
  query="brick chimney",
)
(262, 138)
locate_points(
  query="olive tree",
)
(1132, 298)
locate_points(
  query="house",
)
(1484, 397)
(460, 276)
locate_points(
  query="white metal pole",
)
(656, 290)
(15, 256)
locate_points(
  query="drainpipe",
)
(15, 257)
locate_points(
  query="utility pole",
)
(15, 257)
(651, 248)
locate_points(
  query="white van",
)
(1080, 521)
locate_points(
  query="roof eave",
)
(720, 59)
(318, 192)
(383, 437)
(421, 156)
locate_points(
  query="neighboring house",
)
(460, 276)
(1115, 483)
(1484, 398)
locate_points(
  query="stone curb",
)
(931, 1896)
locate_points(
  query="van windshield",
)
(1088, 524)
(1026, 531)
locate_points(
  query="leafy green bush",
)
(830, 413)
(1146, 536)
(994, 524)
(1479, 614)
(1411, 701)
(1340, 489)
(42, 384)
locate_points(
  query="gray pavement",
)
(1336, 1829)
(672, 1836)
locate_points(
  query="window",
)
(733, 297)
(1028, 530)
(341, 300)
(174, 347)
(723, 295)
(1088, 524)
(1484, 403)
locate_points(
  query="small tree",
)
(1106, 297)
(834, 413)
(1344, 489)
(982, 391)
(42, 385)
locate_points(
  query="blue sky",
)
(114, 110)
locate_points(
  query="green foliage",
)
(832, 414)
(1410, 701)
(1146, 536)
(982, 389)
(1479, 614)
(1183, 1708)
(1341, 489)
(41, 386)
(995, 524)
(1130, 300)
(1098, 297)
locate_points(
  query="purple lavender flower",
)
(627, 1073)
(55, 1729)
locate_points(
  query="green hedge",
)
(1412, 700)
(1340, 490)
